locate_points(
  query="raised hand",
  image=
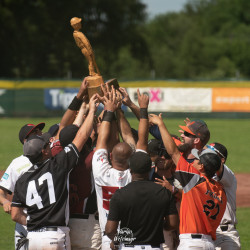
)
(110, 101)
(126, 99)
(143, 100)
(93, 103)
(155, 119)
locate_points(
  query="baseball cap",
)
(209, 159)
(140, 162)
(32, 148)
(29, 128)
(53, 129)
(220, 149)
(68, 134)
(154, 146)
(198, 128)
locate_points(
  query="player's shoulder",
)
(19, 164)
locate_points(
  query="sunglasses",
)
(189, 135)
(216, 150)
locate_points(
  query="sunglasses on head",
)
(189, 135)
(216, 150)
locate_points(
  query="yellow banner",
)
(231, 99)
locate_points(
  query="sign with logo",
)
(231, 99)
(176, 99)
(59, 98)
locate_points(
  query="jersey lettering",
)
(32, 196)
(215, 208)
(107, 193)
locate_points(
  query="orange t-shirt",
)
(203, 201)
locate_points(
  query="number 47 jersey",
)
(43, 190)
(203, 201)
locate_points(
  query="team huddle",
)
(94, 182)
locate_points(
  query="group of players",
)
(96, 183)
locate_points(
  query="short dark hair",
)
(211, 163)
(140, 162)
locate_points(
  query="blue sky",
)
(155, 7)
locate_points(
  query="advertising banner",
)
(175, 99)
(231, 100)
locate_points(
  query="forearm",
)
(103, 135)
(84, 131)
(124, 127)
(135, 109)
(4, 201)
(169, 143)
(143, 132)
(19, 216)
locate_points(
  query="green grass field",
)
(233, 133)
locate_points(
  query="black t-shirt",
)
(141, 207)
(43, 190)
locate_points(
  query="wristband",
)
(143, 113)
(108, 116)
(75, 104)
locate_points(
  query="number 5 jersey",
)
(203, 201)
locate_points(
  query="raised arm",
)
(110, 106)
(124, 128)
(143, 101)
(127, 101)
(85, 130)
(70, 114)
(167, 139)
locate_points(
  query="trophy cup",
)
(94, 79)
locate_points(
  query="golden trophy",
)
(94, 79)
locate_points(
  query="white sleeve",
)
(100, 164)
(228, 178)
(16, 168)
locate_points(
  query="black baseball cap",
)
(198, 128)
(68, 134)
(156, 147)
(53, 129)
(32, 148)
(220, 149)
(140, 162)
(27, 129)
(209, 159)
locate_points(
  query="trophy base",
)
(94, 85)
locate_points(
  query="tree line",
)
(208, 39)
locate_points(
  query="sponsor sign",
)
(231, 99)
(175, 99)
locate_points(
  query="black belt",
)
(224, 228)
(82, 216)
(153, 246)
(196, 236)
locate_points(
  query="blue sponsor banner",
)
(59, 99)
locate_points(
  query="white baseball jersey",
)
(230, 185)
(16, 168)
(107, 181)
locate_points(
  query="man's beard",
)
(185, 147)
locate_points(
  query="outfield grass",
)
(233, 133)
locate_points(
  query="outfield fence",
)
(51, 98)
